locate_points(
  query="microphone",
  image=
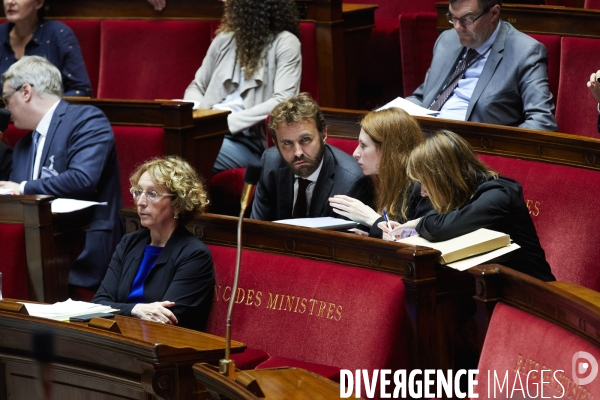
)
(251, 178)
(42, 344)
(4, 119)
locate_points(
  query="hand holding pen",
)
(389, 227)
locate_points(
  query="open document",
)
(410, 108)
(70, 205)
(63, 310)
(320, 223)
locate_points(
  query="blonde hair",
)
(395, 133)
(181, 179)
(448, 167)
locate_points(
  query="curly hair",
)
(181, 179)
(254, 24)
(395, 133)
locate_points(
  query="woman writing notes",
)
(467, 195)
(26, 33)
(385, 141)
(253, 64)
(163, 273)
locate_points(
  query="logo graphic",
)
(584, 371)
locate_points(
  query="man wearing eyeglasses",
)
(484, 70)
(70, 153)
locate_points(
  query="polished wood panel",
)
(342, 32)
(53, 242)
(196, 136)
(279, 383)
(147, 360)
(558, 148)
(435, 295)
(548, 20)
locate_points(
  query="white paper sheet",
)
(319, 223)
(467, 263)
(70, 205)
(62, 311)
(410, 108)
(6, 191)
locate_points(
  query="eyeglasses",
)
(6, 97)
(151, 195)
(464, 21)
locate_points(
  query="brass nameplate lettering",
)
(281, 302)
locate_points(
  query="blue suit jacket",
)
(274, 196)
(83, 146)
(513, 87)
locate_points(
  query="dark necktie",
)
(35, 140)
(300, 208)
(461, 67)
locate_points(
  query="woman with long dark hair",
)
(253, 63)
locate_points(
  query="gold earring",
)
(176, 216)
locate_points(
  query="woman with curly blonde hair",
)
(252, 64)
(163, 273)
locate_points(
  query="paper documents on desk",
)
(70, 205)
(320, 223)
(62, 311)
(466, 251)
(410, 108)
(6, 191)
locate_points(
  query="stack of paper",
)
(62, 311)
(320, 223)
(468, 250)
(410, 108)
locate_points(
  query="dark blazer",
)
(57, 43)
(513, 87)
(183, 273)
(5, 161)
(497, 204)
(82, 145)
(274, 197)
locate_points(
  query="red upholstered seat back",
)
(135, 145)
(12, 135)
(418, 33)
(592, 4)
(88, 36)
(563, 204)
(310, 71)
(310, 310)
(14, 261)
(518, 342)
(576, 108)
(346, 145)
(148, 60)
(552, 43)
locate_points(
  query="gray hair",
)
(40, 73)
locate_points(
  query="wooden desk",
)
(147, 360)
(195, 136)
(342, 32)
(558, 148)
(53, 242)
(549, 20)
(435, 295)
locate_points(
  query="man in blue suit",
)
(505, 79)
(70, 153)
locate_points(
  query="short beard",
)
(312, 163)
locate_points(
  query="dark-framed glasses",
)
(464, 21)
(151, 195)
(6, 97)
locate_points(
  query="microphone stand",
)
(227, 365)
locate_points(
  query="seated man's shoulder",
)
(84, 110)
(346, 161)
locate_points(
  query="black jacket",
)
(183, 273)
